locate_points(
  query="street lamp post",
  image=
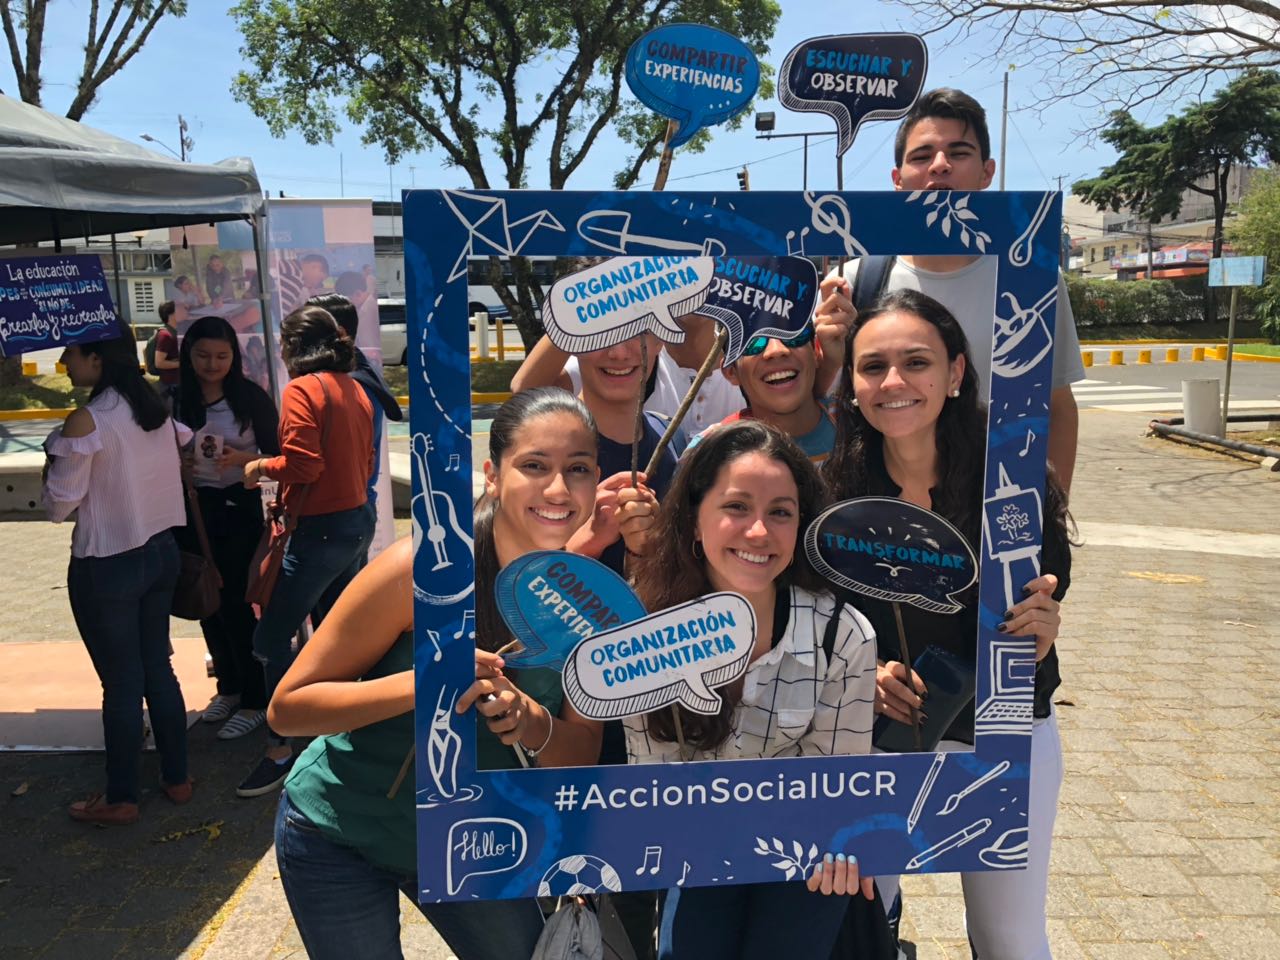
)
(764, 131)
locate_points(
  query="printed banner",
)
(890, 549)
(624, 297)
(854, 78)
(761, 296)
(551, 600)
(54, 302)
(678, 655)
(696, 75)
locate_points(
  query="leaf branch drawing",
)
(952, 212)
(790, 863)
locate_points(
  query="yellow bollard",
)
(1117, 358)
(1222, 351)
(60, 367)
(1197, 354)
(28, 368)
(1172, 355)
(1086, 357)
(1144, 356)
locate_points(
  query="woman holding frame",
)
(346, 836)
(909, 424)
(732, 521)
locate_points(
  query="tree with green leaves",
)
(1195, 150)
(492, 86)
(1255, 232)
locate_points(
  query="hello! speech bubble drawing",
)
(623, 297)
(854, 78)
(678, 655)
(483, 845)
(696, 75)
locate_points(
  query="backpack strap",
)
(872, 278)
(829, 635)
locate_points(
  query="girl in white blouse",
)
(731, 521)
(114, 463)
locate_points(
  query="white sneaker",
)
(219, 708)
(244, 721)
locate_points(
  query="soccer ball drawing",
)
(579, 874)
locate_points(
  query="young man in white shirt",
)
(943, 144)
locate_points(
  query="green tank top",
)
(341, 781)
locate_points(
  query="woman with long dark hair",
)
(910, 425)
(345, 831)
(216, 399)
(732, 521)
(115, 463)
(326, 443)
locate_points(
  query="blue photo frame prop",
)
(518, 833)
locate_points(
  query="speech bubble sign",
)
(696, 75)
(483, 845)
(552, 600)
(623, 297)
(892, 550)
(854, 78)
(677, 655)
(54, 301)
(760, 296)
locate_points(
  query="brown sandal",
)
(179, 793)
(95, 809)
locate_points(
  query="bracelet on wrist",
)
(551, 726)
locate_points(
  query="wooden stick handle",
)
(703, 372)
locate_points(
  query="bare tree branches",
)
(106, 51)
(1112, 55)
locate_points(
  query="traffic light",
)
(744, 179)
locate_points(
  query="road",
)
(1157, 387)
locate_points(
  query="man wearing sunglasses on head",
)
(776, 377)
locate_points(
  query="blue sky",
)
(188, 64)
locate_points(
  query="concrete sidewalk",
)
(1166, 843)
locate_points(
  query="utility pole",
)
(185, 143)
(1004, 127)
(1151, 258)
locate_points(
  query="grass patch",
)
(1245, 330)
(1265, 349)
(1266, 438)
(42, 392)
(485, 377)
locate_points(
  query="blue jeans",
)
(749, 922)
(345, 906)
(121, 607)
(324, 553)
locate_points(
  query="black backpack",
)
(872, 278)
(149, 354)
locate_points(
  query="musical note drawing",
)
(435, 642)
(680, 882)
(1031, 435)
(656, 854)
(454, 464)
(471, 634)
(796, 250)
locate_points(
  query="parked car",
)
(393, 325)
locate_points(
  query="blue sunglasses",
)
(755, 346)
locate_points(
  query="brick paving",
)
(1166, 843)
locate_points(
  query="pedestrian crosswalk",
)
(1136, 398)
